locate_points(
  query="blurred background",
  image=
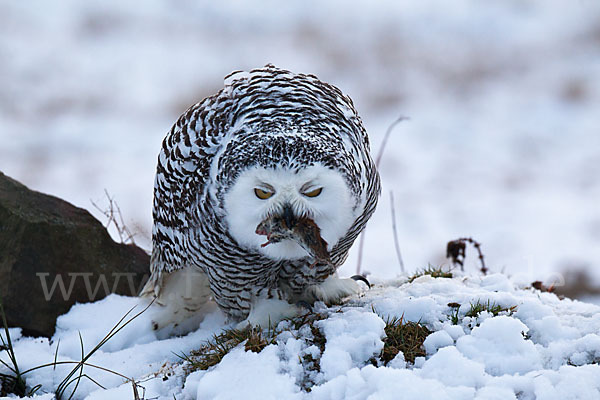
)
(502, 143)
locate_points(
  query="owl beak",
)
(288, 216)
(279, 225)
(302, 230)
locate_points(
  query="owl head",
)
(294, 148)
(315, 192)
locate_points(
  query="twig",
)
(112, 213)
(361, 243)
(136, 394)
(456, 251)
(396, 241)
(386, 137)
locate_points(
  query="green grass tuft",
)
(434, 272)
(212, 352)
(493, 308)
(454, 314)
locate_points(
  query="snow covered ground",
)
(503, 144)
(503, 141)
(539, 347)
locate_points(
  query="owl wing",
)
(182, 174)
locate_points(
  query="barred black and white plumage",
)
(289, 136)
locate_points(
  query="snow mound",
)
(490, 340)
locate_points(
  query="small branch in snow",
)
(115, 217)
(456, 252)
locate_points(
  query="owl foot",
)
(305, 305)
(333, 289)
(266, 313)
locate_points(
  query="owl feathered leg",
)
(180, 295)
(268, 308)
(267, 311)
(332, 290)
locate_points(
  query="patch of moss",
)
(212, 352)
(407, 337)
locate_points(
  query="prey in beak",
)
(304, 231)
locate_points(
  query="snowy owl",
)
(260, 191)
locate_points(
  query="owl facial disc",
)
(320, 210)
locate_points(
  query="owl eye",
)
(263, 194)
(313, 193)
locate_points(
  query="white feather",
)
(333, 289)
(266, 313)
(183, 293)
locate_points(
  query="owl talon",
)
(362, 279)
(333, 289)
(304, 304)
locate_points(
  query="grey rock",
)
(53, 254)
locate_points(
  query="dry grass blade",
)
(78, 379)
(390, 129)
(79, 362)
(386, 137)
(395, 231)
(16, 384)
(10, 384)
(405, 337)
(56, 353)
(62, 387)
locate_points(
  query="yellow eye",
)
(262, 194)
(313, 193)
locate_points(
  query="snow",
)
(539, 347)
(437, 340)
(499, 344)
(462, 371)
(387, 383)
(248, 375)
(502, 142)
(352, 339)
